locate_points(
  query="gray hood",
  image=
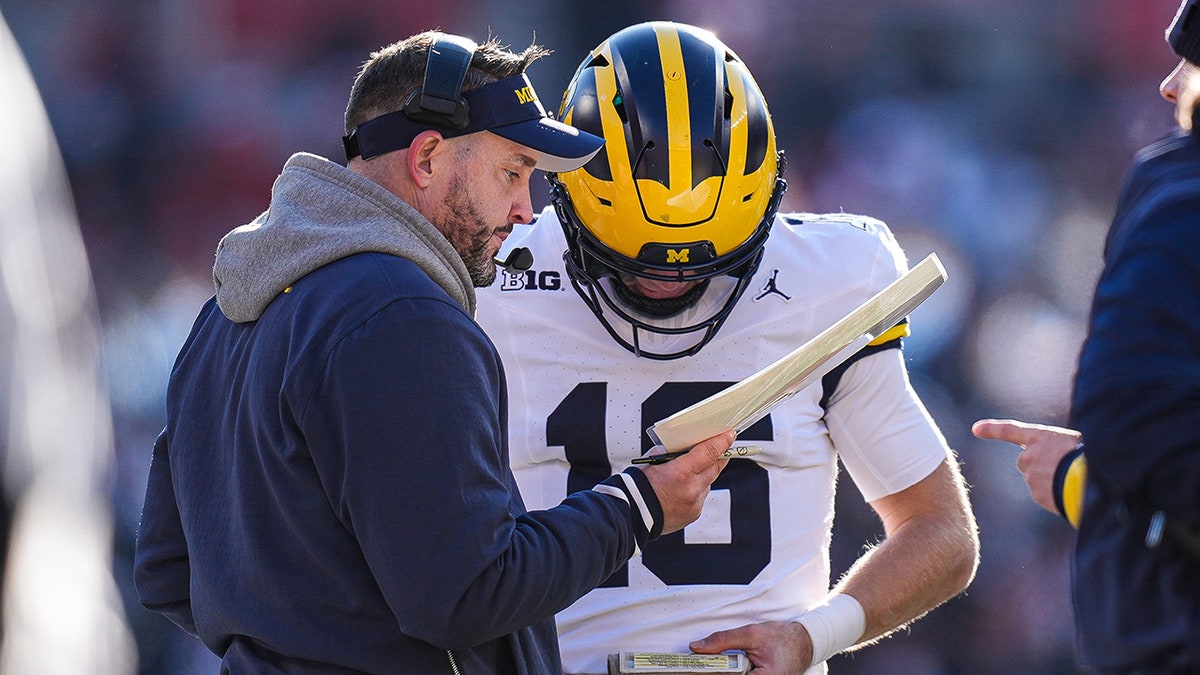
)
(321, 212)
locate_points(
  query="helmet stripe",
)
(706, 92)
(637, 67)
(584, 114)
(759, 137)
(677, 139)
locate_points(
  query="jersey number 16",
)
(578, 425)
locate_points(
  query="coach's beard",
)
(468, 233)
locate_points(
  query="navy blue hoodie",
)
(331, 492)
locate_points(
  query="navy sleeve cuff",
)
(634, 489)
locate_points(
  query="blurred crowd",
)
(995, 134)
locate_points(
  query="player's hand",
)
(683, 483)
(1042, 448)
(773, 647)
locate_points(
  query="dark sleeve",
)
(161, 569)
(409, 434)
(1137, 392)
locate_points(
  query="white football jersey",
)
(579, 405)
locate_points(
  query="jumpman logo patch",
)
(770, 288)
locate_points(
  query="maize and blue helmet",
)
(685, 188)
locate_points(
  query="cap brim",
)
(560, 147)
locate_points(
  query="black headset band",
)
(493, 105)
(438, 102)
(440, 99)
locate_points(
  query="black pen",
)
(732, 453)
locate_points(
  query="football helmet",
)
(684, 189)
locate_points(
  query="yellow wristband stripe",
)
(1072, 490)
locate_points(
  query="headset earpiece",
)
(439, 101)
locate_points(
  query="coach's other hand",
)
(682, 484)
(1042, 448)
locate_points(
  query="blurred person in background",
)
(331, 491)
(61, 611)
(688, 281)
(1127, 474)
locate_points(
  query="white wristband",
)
(834, 626)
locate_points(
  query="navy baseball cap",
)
(508, 108)
(1184, 34)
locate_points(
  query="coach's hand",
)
(773, 647)
(683, 483)
(1042, 448)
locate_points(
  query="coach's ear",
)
(423, 155)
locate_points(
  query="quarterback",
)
(663, 274)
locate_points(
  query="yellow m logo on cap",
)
(680, 256)
(526, 95)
